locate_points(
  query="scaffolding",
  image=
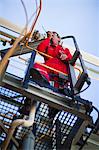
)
(61, 120)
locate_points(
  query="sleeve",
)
(43, 45)
(67, 52)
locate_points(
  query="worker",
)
(58, 59)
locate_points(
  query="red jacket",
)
(53, 51)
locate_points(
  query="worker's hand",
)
(63, 56)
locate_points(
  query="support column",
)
(28, 142)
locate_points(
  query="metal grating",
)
(10, 103)
(17, 97)
(50, 130)
(46, 127)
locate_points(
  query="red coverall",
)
(54, 62)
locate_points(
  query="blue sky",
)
(68, 17)
(79, 18)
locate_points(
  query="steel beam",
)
(10, 26)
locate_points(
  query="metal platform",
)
(68, 125)
(61, 121)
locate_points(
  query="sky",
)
(79, 18)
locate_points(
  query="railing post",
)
(27, 75)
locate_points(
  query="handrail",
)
(77, 49)
(52, 69)
(84, 76)
(49, 57)
(77, 68)
(18, 122)
(27, 46)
